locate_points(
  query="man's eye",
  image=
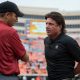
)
(50, 23)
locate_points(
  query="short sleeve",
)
(73, 48)
(16, 45)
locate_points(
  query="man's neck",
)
(54, 37)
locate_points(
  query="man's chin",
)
(49, 35)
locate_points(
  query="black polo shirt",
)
(61, 55)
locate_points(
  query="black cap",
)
(8, 6)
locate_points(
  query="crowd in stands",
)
(37, 62)
(36, 65)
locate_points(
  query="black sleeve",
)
(73, 48)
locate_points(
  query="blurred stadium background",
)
(31, 29)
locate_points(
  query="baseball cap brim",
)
(19, 14)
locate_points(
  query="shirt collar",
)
(53, 40)
(4, 23)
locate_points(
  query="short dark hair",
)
(8, 6)
(58, 18)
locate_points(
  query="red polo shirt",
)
(11, 50)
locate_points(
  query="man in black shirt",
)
(61, 50)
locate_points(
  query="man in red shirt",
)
(11, 48)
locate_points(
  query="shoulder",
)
(46, 40)
(68, 39)
(10, 30)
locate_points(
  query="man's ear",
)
(7, 13)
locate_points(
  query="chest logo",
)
(56, 46)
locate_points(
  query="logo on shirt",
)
(56, 46)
